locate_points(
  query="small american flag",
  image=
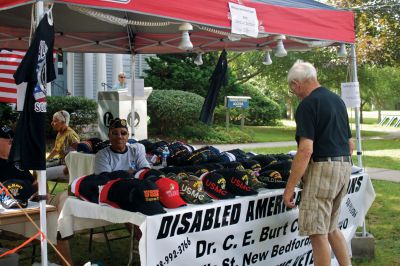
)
(9, 61)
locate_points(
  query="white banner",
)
(244, 20)
(253, 230)
(351, 94)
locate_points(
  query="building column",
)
(70, 74)
(88, 75)
(101, 72)
(117, 67)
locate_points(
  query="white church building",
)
(84, 74)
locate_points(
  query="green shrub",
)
(263, 111)
(210, 134)
(83, 112)
(7, 115)
(172, 109)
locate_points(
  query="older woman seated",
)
(66, 140)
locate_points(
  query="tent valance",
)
(78, 31)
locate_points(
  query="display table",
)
(14, 220)
(79, 164)
(240, 231)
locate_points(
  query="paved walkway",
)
(374, 173)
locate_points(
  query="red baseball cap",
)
(169, 193)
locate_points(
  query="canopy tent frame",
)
(211, 33)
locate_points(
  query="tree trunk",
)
(379, 115)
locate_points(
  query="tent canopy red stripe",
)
(79, 32)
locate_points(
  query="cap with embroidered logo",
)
(215, 186)
(191, 189)
(169, 193)
(20, 190)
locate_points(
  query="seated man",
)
(120, 155)
(9, 169)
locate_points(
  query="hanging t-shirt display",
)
(37, 68)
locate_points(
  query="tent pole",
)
(132, 95)
(354, 78)
(42, 173)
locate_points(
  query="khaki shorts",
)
(324, 186)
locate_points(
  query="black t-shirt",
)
(322, 117)
(36, 68)
(9, 171)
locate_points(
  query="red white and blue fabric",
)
(9, 61)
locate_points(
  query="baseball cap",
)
(237, 182)
(254, 183)
(169, 193)
(197, 170)
(20, 190)
(251, 164)
(6, 132)
(272, 179)
(85, 146)
(118, 123)
(149, 173)
(191, 189)
(264, 160)
(215, 186)
(132, 195)
(87, 187)
(118, 174)
(283, 167)
(233, 165)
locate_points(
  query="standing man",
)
(121, 82)
(120, 155)
(323, 163)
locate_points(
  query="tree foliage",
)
(377, 29)
(178, 72)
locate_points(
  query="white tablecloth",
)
(236, 228)
(26, 228)
(79, 164)
(78, 214)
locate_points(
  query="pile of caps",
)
(149, 191)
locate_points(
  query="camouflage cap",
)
(191, 189)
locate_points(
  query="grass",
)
(383, 222)
(382, 219)
(287, 133)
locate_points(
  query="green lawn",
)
(383, 222)
(282, 133)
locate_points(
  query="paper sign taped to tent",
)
(244, 20)
(351, 94)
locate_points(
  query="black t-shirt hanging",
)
(37, 68)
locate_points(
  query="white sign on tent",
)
(244, 20)
(351, 94)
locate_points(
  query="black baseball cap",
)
(145, 173)
(132, 195)
(272, 179)
(118, 123)
(251, 164)
(6, 132)
(215, 186)
(283, 167)
(237, 182)
(264, 159)
(20, 190)
(87, 187)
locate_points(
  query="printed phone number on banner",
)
(174, 253)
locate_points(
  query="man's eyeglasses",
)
(122, 77)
